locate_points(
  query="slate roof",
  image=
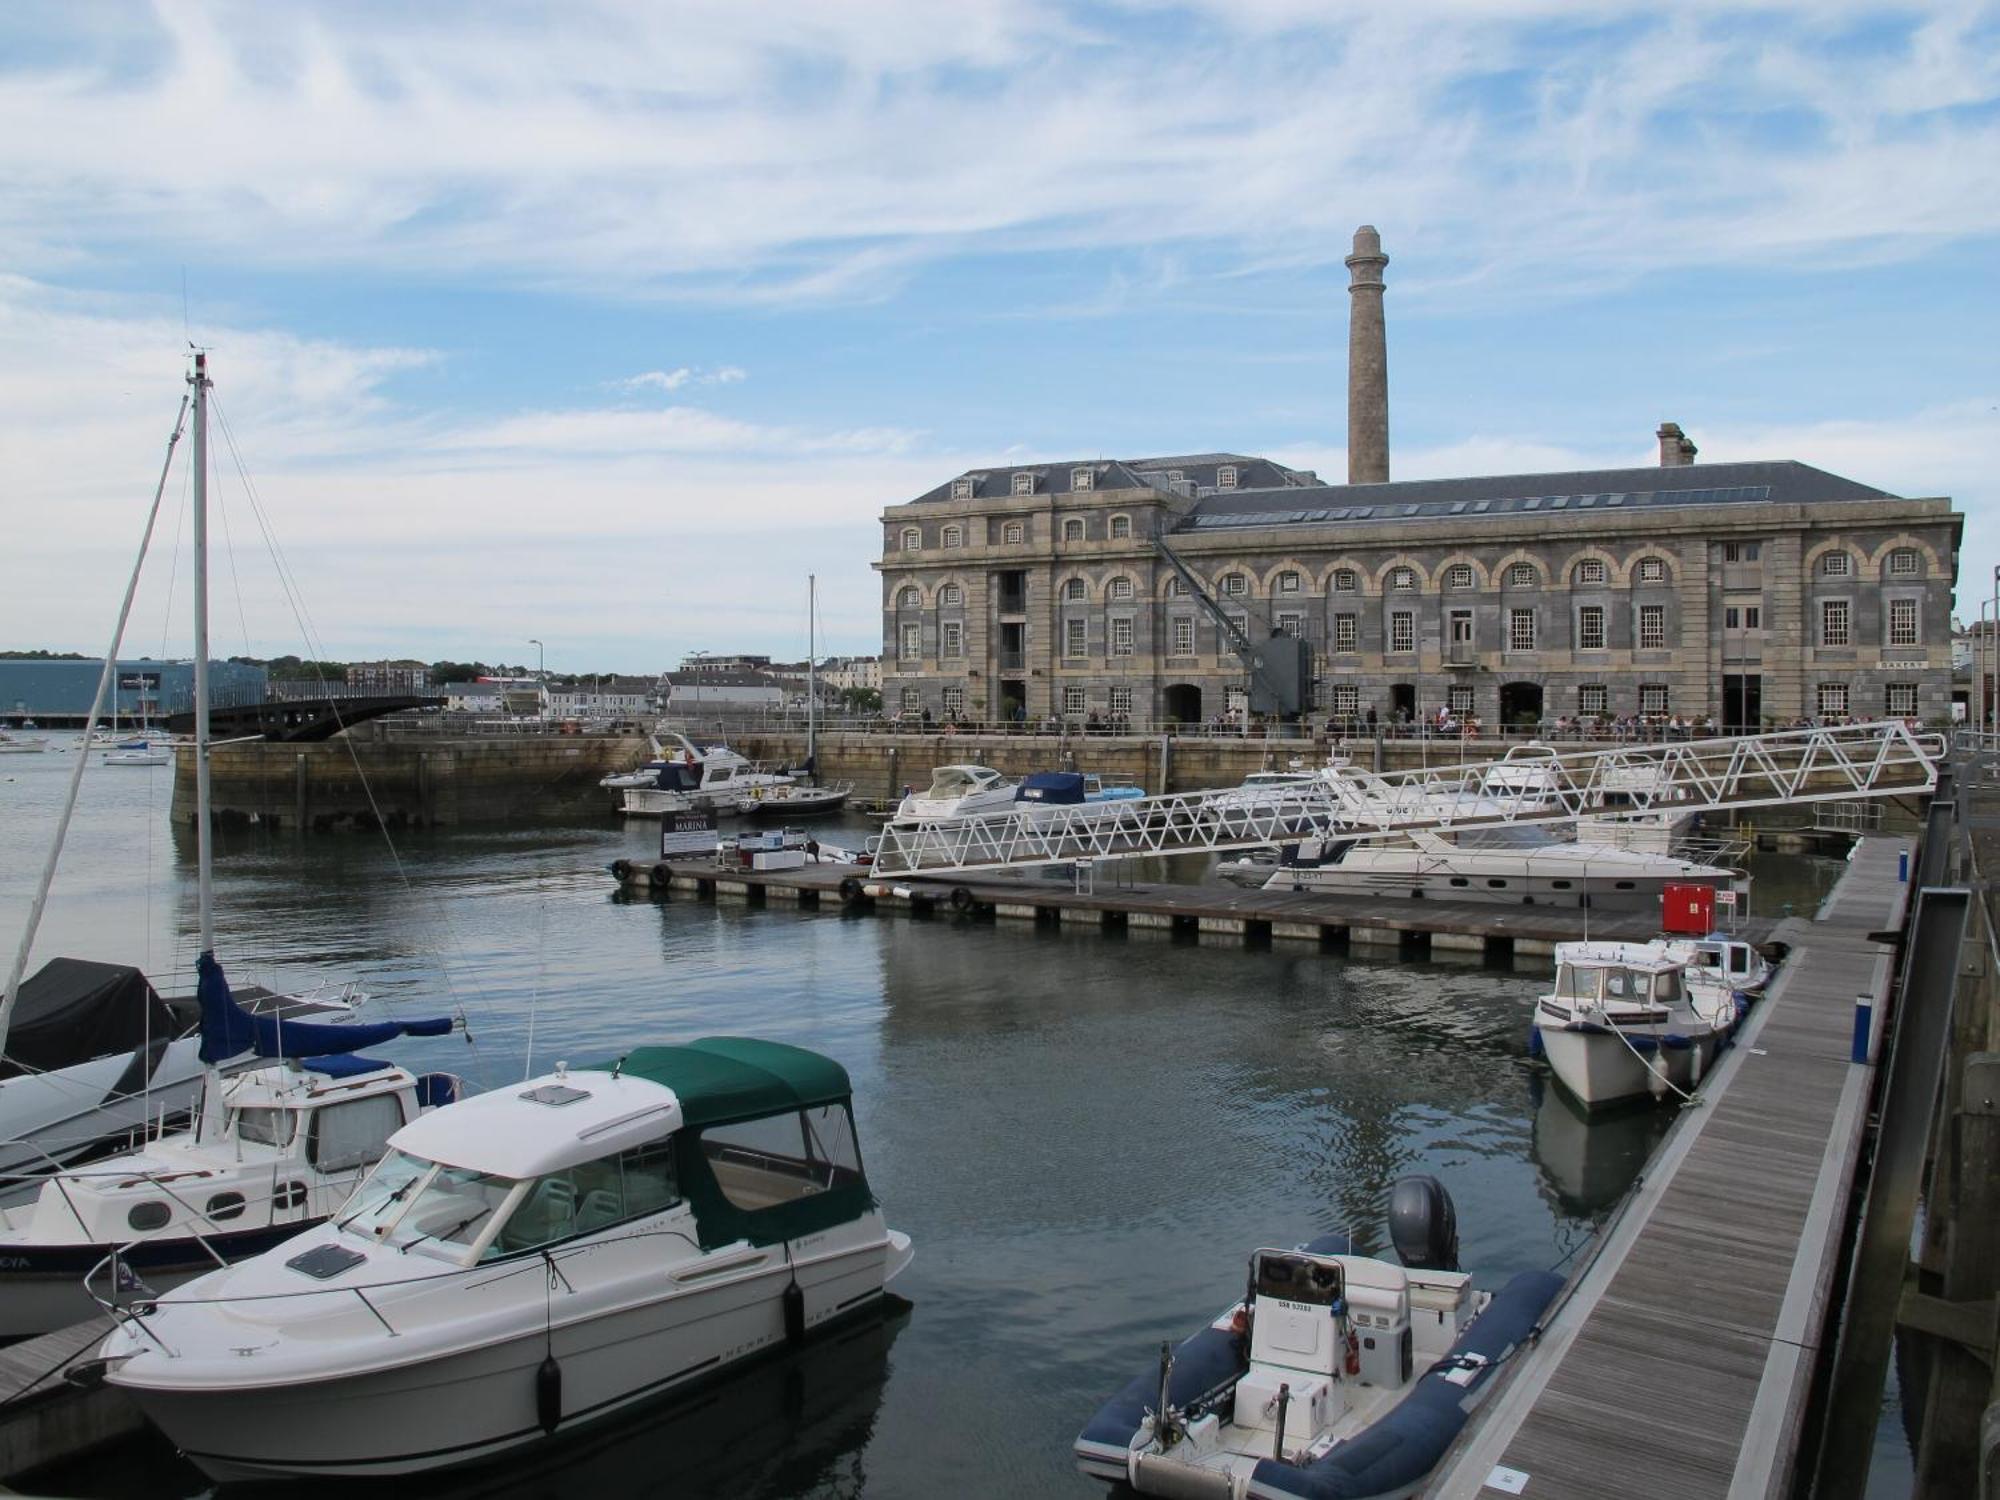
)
(1124, 474)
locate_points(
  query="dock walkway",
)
(1680, 1363)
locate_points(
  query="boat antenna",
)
(104, 680)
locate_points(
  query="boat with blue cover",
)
(1040, 790)
(1337, 1377)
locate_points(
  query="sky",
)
(606, 324)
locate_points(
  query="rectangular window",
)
(1459, 700)
(1902, 622)
(1833, 698)
(1183, 636)
(1234, 586)
(1024, 484)
(1403, 631)
(1590, 627)
(1121, 528)
(1121, 701)
(1904, 563)
(1652, 627)
(1344, 633)
(1225, 477)
(1593, 698)
(353, 1134)
(1072, 699)
(1833, 622)
(952, 639)
(954, 703)
(1347, 699)
(1288, 583)
(912, 539)
(1900, 700)
(912, 701)
(1742, 551)
(1345, 580)
(1732, 618)
(1080, 479)
(1073, 637)
(1520, 630)
(953, 536)
(913, 643)
(1753, 617)
(1290, 623)
(1652, 698)
(1012, 533)
(1121, 637)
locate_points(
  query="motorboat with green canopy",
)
(553, 1252)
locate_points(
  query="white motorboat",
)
(141, 751)
(1337, 1375)
(1519, 863)
(958, 792)
(715, 779)
(23, 744)
(272, 1150)
(545, 1255)
(1620, 1023)
(797, 800)
(1722, 963)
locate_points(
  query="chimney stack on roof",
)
(1676, 447)
(1367, 363)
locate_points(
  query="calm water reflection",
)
(1085, 1135)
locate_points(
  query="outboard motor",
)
(1423, 1224)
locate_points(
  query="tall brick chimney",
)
(1367, 363)
(1676, 447)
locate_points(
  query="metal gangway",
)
(1675, 777)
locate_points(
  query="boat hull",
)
(1595, 1064)
(48, 1119)
(1518, 886)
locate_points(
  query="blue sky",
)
(606, 323)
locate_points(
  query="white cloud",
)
(673, 380)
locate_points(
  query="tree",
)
(861, 700)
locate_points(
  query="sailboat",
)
(803, 799)
(91, 1055)
(141, 749)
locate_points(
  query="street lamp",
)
(541, 676)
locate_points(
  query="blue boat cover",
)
(1059, 787)
(228, 1030)
(345, 1067)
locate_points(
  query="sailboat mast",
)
(812, 678)
(204, 852)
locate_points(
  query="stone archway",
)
(1520, 705)
(1183, 703)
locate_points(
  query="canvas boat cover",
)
(722, 1078)
(74, 1009)
(228, 1030)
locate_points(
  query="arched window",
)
(1121, 588)
(1906, 562)
(1836, 565)
(951, 593)
(953, 537)
(1075, 589)
(1458, 576)
(1234, 585)
(913, 539)
(1073, 529)
(1652, 570)
(909, 599)
(1345, 580)
(1121, 528)
(1402, 578)
(1288, 583)
(1522, 575)
(1590, 572)
(1177, 587)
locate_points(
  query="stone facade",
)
(1756, 593)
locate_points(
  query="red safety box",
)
(1688, 909)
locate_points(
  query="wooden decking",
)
(1679, 1364)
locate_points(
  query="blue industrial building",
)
(61, 692)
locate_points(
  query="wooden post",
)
(299, 791)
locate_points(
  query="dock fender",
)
(622, 868)
(548, 1393)
(850, 888)
(794, 1302)
(663, 874)
(961, 898)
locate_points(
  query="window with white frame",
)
(954, 703)
(1652, 570)
(913, 539)
(1225, 477)
(1902, 622)
(1291, 623)
(1024, 484)
(1121, 528)
(1522, 575)
(1833, 698)
(912, 643)
(1073, 529)
(951, 639)
(1402, 578)
(1081, 479)
(1344, 632)
(1520, 630)
(1074, 637)
(1075, 590)
(1121, 701)
(908, 599)
(1652, 697)
(1234, 586)
(1288, 582)
(961, 489)
(951, 593)
(1121, 589)
(1177, 587)
(954, 536)
(1905, 562)
(1836, 564)
(1072, 699)
(1121, 637)
(1347, 699)
(1899, 700)
(1012, 533)
(1590, 572)
(1402, 630)
(1183, 639)
(1345, 580)
(1652, 627)
(912, 700)
(1459, 700)
(1593, 698)
(1590, 628)
(1833, 622)
(1458, 576)
(1240, 620)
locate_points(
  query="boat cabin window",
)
(353, 1133)
(149, 1215)
(1298, 1278)
(1574, 983)
(266, 1127)
(766, 1162)
(590, 1196)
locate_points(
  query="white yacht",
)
(23, 744)
(140, 750)
(958, 792)
(546, 1254)
(1519, 863)
(716, 779)
(1620, 1023)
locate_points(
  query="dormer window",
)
(1081, 479)
(1073, 529)
(913, 539)
(1024, 484)
(961, 489)
(1225, 477)
(1121, 528)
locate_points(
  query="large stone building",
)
(1756, 593)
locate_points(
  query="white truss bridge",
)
(1679, 777)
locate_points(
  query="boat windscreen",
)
(951, 781)
(1298, 1278)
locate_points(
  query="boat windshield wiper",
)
(395, 1197)
(444, 1234)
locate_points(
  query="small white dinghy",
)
(1621, 1023)
(547, 1254)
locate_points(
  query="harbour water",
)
(1084, 1134)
